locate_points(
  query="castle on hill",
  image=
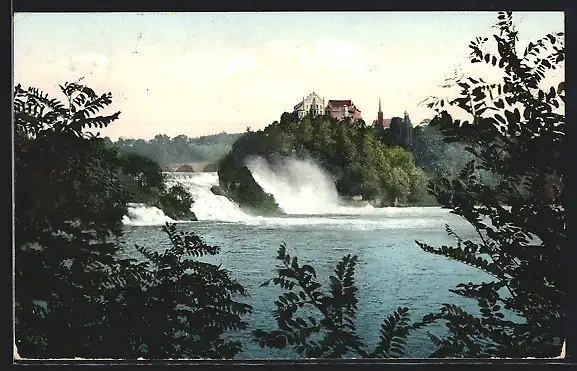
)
(340, 109)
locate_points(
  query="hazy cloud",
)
(204, 87)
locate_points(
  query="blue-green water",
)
(392, 270)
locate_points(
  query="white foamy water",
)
(207, 205)
(365, 222)
(141, 214)
(325, 214)
(300, 187)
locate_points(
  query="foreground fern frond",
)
(329, 328)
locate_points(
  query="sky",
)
(204, 73)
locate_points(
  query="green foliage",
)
(142, 177)
(35, 114)
(145, 171)
(399, 132)
(75, 294)
(517, 134)
(144, 182)
(181, 149)
(60, 171)
(68, 202)
(430, 153)
(434, 155)
(360, 164)
(392, 335)
(189, 304)
(176, 203)
(327, 328)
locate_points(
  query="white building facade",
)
(313, 105)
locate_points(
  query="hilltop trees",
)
(348, 150)
(399, 133)
(75, 293)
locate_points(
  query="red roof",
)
(340, 103)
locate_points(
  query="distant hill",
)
(180, 149)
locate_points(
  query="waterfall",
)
(299, 186)
(303, 190)
(207, 206)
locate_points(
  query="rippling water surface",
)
(392, 270)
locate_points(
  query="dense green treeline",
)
(431, 152)
(181, 149)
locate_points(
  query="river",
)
(392, 270)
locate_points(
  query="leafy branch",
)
(517, 134)
(333, 334)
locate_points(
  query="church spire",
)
(380, 118)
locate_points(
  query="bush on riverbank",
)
(144, 181)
